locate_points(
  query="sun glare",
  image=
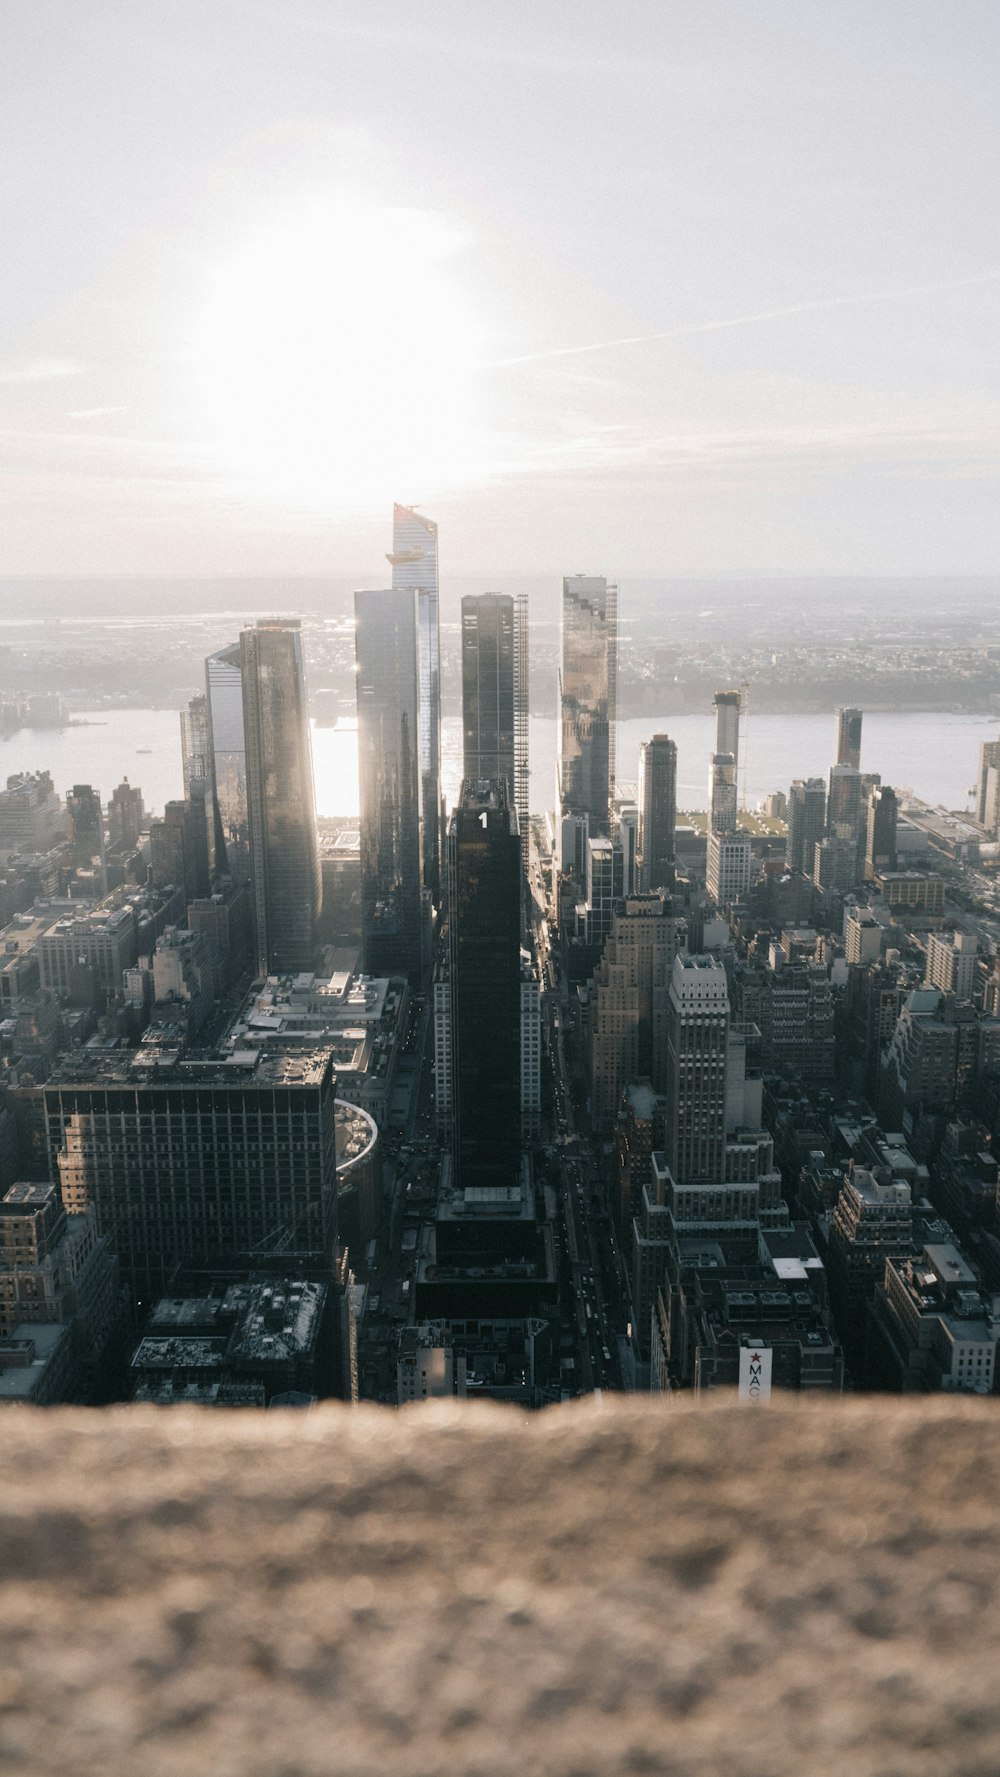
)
(337, 359)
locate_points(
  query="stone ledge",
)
(807, 1589)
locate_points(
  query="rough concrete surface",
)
(694, 1591)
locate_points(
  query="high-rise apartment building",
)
(988, 786)
(880, 838)
(697, 1045)
(495, 695)
(588, 700)
(385, 640)
(806, 823)
(727, 723)
(729, 869)
(847, 738)
(952, 963)
(625, 1000)
(31, 814)
(657, 811)
(125, 815)
(484, 878)
(414, 562)
(722, 793)
(227, 740)
(85, 828)
(845, 803)
(284, 852)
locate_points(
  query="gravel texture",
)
(694, 1591)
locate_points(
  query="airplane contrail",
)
(798, 308)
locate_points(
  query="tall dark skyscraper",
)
(847, 737)
(385, 640)
(880, 837)
(657, 811)
(806, 823)
(85, 827)
(588, 700)
(414, 562)
(284, 851)
(228, 754)
(495, 694)
(484, 871)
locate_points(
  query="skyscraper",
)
(722, 793)
(880, 847)
(697, 1045)
(806, 823)
(414, 562)
(588, 698)
(495, 695)
(848, 738)
(385, 640)
(657, 811)
(484, 867)
(85, 828)
(196, 742)
(228, 749)
(988, 785)
(727, 724)
(284, 853)
(196, 758)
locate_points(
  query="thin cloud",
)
(779, 314)
(93, 413)
(41, 370)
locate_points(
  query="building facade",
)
(657, 812)
(385, 637)
(588, 704)
(284, 850)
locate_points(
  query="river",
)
(934, 754)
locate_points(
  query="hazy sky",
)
(269, 264)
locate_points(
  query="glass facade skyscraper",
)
(588, 695)
(228, 748)
(284, 851)
(385, 640)
(414, 563)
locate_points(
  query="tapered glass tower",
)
(228, 751)
(385, 640)
(284, 852)
(588, 693)
(414, 563)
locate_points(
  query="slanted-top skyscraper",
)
(588, 699)
(385, 641)
(284, 852)
(414, 562)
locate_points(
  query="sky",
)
(686, 287)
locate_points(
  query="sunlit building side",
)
(284, 850)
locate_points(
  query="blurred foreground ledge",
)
(692, 1591)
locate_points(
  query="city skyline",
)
(270, 271)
